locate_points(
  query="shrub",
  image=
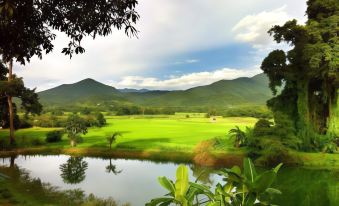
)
(54, 136)
(36, 142)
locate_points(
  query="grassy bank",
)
(158, 138)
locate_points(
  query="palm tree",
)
(111, 139)
(240, 136)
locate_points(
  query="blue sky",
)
(181, 44)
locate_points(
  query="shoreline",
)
(215, 159)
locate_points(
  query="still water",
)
(135, 181)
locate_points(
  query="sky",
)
(181, 44)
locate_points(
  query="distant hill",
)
(128, 90)
(87, 90)
(240, 91)
(224, 93)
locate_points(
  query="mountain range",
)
(223, 93)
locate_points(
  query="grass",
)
(165, 132)
(158, 137)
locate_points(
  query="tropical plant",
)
(240, 189)
(111, 139)
(74, 127)
(240, 136)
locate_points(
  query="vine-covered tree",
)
(27, 28)
(308, 73)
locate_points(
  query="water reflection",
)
(202, 174)
(74, 170)
(112, 168)
(307, 187)
(138, 181)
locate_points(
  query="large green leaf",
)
(249, 170)
(181, 184)
(163, 201)
(264, 181)
(167, 184)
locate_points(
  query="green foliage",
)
(54, 136)
(308, 74)
(240, 189)
(262, 128)
(28, 29)
(100, 119)
(74, 127)
(239, 135)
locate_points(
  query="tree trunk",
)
(73, 143)
(303, 125)
(10, 106)
(333, 118)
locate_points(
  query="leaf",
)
(273, 191)
(202, 189)
(249, 170)
(264, 181)
(236, 170)
(276, 169)
(161, 200)
(167, 184)
(181, 184)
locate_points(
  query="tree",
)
(101, 121)
(309, 72)
(29, 100)
(75, 126)
(27, 28)
(240, 136)
(111, 139)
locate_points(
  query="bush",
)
(54, 136)
(36, 142)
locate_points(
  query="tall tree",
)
(16, 88)
(309, 72)
(28, 27)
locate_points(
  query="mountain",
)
(128, 90)
(82, 91)
(224, 93)
(240, 91)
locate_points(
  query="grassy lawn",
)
(148, 132)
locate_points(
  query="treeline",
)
(57, 119)
(121, 110)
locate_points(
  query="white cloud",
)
(253, 28)
(168, 29)
(185, 81)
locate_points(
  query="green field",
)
(145, 132)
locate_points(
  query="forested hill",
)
(86, 90)
(240, 91)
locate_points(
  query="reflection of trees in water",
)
(112, 168)
(203, 174)
(74, 170)
(303, 187)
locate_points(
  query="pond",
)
(135, 181)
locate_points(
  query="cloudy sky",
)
(181, 44)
